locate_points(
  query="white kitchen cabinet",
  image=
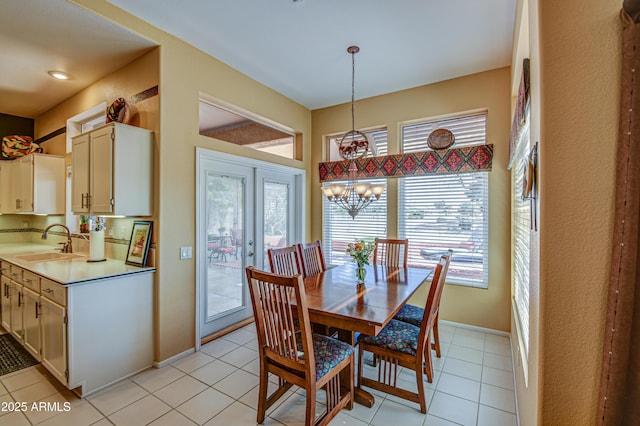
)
(31, 322)
(112, 171)
(6, 303)
(16, 296)
(33, 184)
(53, 320)
(7, 202)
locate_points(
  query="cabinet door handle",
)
(37, 313)
(19, 299)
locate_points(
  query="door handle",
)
(250, 253)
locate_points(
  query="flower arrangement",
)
(360, 251)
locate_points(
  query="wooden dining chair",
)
(400, 344)
(413, 314)
(391, 252)
(311, 257)
(295, 354)
(284, 260)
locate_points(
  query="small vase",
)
(361, 273)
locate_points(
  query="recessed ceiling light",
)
(60, 75)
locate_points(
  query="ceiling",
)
(297, 48)
(37, 36)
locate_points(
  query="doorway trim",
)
(203, 154)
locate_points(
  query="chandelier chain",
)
(353, 90)
(353, 196)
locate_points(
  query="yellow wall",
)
(579, 71)
(575, 65)
(131, 79)
(488, 90)
(184, 73)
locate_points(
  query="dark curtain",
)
(620, 382)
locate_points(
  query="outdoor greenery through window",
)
(276, 217)
(438, 212)
(338, 228)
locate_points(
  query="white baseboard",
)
(476, 328)
(160, 364)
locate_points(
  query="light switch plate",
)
(186, 253)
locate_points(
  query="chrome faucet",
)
(66, 248)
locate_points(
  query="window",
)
(521, 234)
(377, 145)
(338, 228)
(442, 211)
(221, 123)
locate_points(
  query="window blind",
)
(339, 229)
(521, 236)
(468, 130)
(447, 211)
(377, 145)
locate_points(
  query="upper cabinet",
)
(33, 184)
(112, 171)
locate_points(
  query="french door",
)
(243, 208)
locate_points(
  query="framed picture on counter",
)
(139, 243)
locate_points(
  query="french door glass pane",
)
(225, 213)
(276, 216)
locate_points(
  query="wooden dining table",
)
(335, 299)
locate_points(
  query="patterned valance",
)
(454, 160)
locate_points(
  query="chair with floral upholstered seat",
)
(400, 344)
(414, 314)
(293, 353)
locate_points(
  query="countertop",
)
(71, 271)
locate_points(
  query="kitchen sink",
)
(43, 257)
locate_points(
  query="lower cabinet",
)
(53, 319)
(31, 323)
(6, 303)
(17, 302)
(89, 335)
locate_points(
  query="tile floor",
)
(473, 385)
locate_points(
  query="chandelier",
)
(353, 196)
